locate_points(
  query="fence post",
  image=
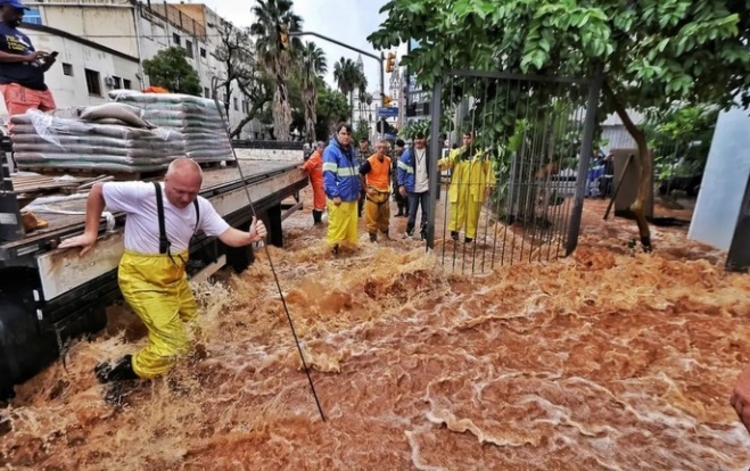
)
(589, 125)
(434, 173)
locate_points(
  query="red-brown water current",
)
(602, 361)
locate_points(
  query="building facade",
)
(102, 44)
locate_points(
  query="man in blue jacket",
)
(413, 176)
(342, 186)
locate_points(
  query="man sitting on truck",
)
(160, 221)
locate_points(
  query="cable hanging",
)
(270, 261)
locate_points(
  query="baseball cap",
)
(15, 4)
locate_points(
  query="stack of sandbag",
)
(106, 138)
(198, 119)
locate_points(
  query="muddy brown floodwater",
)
(607, 360)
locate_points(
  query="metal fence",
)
(509, 151)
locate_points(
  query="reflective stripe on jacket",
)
(406, 171)
(340, 172)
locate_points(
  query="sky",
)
(347, 21)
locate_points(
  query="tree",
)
(312, 65)
(332, 108)
(361, 131)
(170, 69)
(274, 19)
(653, 53)
(349, 78)
(243, 72)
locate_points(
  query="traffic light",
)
(390, 62)
(387, 101)
(283, 37)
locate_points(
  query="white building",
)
(102, 45)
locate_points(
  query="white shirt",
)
(421, 179)
(138, 201)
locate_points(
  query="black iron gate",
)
(513, 153)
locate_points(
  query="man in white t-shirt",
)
(413, 176)
(151, 273)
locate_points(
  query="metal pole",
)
(380, 58)
(589, 125)
(433, 173)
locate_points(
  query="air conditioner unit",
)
(109, 81)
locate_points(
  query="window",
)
(127, 84)
(176, 38)
(236, 105)
(93, 83)
(67, 69)
(118, 82)
(206, 93)
(203, 52)
(32, 16)
(189, 49)
(244, 106)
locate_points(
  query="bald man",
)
(161, 218)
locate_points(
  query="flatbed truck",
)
(49, 297)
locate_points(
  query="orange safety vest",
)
(379, 175)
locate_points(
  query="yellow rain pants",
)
(342, 222)
(466, 212)
(157, 289)
(377, 211)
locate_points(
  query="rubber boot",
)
(373, 238)
(317, 217)
(122, 371)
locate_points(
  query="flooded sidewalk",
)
(606, 360)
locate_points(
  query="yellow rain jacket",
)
(472, 176)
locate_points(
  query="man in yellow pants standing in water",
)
(376, 179)
(342, 187)
(160, 221)
(472, 181)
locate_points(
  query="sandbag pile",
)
(196, 118)
(107, 138)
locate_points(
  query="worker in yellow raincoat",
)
(473, 180)
(161, 219)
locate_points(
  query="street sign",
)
(387, 112)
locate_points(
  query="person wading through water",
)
(314, 167)
(376, 179)
(160, 221)
(342, 187)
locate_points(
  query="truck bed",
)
(215, 181)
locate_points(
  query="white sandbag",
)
(121, 111)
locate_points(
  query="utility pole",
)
(380, 58)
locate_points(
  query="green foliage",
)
(681, 139)
(332, 108)
(361, 130)
(654, 51)
(170, 69)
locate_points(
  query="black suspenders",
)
(164, 243)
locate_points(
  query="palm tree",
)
(312, 65)
(274, 19)
(348, 78)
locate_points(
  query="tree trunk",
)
(310, 114)
(282, 115)
(646, 177)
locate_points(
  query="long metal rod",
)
(270, 261)
(433, 175)
(589, 125)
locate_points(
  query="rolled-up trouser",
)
(342, 222)
(377, 212)
(156, 287)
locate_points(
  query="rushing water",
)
(604, 361)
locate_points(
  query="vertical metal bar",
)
(11, 223)
(592, 103)
(434, 173)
